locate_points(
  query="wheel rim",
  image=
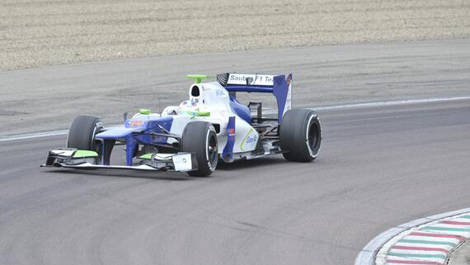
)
(313, 138)
(212, 150)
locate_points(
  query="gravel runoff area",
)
(48, 32)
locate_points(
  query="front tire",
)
(82, 132)
(300, 135)
(200, 139)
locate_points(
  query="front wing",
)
(84, 159)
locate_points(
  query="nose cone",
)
(117, 133)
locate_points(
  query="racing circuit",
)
(380, 165)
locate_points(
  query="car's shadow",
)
(124, 173)
(253, 163)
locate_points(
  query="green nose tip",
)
(197, 78)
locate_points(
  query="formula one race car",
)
(211, 125)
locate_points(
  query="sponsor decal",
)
(136, 123)
(249, 140)
(231, 132)
(250, 79)
(182, 162)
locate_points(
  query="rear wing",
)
(279, 85)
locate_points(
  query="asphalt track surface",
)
(47, 98)
(378, 167)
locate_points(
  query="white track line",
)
(391, 103)
(33, 135)
(325, 108)
(40, 135)
(367, 255)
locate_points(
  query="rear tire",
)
(200, 139)
(300, 135)
(82, 132)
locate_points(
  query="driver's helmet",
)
(192, 107)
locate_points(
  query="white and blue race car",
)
(211, 125)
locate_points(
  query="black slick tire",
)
(200, 139)
(82, 132)
(300, 135)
